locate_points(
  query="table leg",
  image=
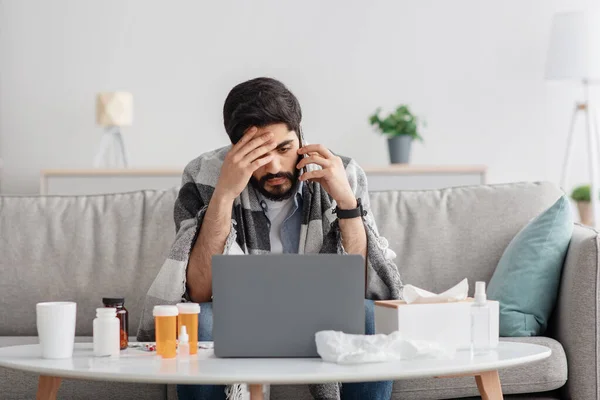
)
(489, 386)
(47, 387)
(256, 392)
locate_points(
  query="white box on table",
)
(446, 323)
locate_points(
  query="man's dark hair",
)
(260, 102)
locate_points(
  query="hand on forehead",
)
(280, 131)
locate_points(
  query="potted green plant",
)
(582, 196)
(402, 128)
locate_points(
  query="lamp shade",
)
(114, 109)
(574, 49)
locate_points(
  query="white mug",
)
(56, 328)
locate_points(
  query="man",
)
(270, 192)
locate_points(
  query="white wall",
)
(472, 68)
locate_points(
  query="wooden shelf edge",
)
(112, 172)
(426, 169)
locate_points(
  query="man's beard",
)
(279, 193)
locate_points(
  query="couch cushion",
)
(543, 376)
(6, 341)
(300, 392)
(546, 375)
(80, 248)
(444, 236)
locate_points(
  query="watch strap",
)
(353, 213)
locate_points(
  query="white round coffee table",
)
(136, 365)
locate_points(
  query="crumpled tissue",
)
(415, 295)
(342, 348)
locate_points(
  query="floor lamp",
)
(574, 54)
(113, 110)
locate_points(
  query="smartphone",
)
(304, 169)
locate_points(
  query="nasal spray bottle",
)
(184, 345)
(480, 322)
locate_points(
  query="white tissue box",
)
(446, 323)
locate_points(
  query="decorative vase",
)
(585, 212)
(399, 148)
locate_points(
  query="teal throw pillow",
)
(527, 277)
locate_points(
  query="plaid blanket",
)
(320, 233)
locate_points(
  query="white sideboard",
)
(393, 177)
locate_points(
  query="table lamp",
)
(113, 110)
(574, 55)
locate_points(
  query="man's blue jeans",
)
(350, 391)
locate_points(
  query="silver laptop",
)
(272, 305)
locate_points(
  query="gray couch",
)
(82, 248)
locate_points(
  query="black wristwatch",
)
(354, 213)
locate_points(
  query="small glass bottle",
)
(480, 322)
(106, 333)
(119, 304)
